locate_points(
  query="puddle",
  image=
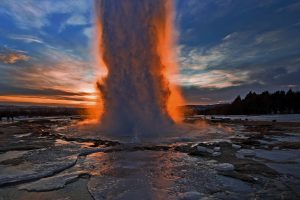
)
(287, 138)
(289, 169)
(279, 155)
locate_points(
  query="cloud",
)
(225, 47)
(61, 70)
(88, 32)
(9, 93)
(74, 20)
(215, 79)
(11, 58)
(199, 58)
(31, 39)
(77, 20)
(9, 89)
(239, 58)
(45, 100)
(35, 13)
(59, 75)
(275, 74)
(27, 38)
(200, 8)
(293, 7)
(196, 95)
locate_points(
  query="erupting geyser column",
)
(135, 45)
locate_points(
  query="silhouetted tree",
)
(280, 102)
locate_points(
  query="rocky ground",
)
(40, 159)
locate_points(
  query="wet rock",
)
(184, 148)
(239, 156)
(287, 169)
(85, 152)
(11, 155)
(28, 172)
(151, 148)
(22, 147)
(22, 135)
(236, 146)
(210, 151)
(279, 155)
(202, 149)
(216, 154)
(255, 168)
(51, 183)
(217, 148)
(168, 172)
(236, 185)
(240, 176)
(191, 195)
(245, 153)
(224, 167)
(289, 145)
(250, 142)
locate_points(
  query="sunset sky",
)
(225, 48)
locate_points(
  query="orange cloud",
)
(11, 58)
(70, 80)
(215, 79)
(47, 100)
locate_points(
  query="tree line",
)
(11, 112)
(279, 102)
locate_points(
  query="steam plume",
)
(135, 45)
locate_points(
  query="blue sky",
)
(225, 48)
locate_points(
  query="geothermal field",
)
(137, 136)
(48, 158)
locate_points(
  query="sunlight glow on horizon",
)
(75, 101)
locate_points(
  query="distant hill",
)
(189, 110)
(33, 111)
(279, 102)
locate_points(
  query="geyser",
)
(135, 45)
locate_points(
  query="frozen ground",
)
(50, 159)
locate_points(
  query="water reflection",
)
(60, 142)
(134, 175)
(198, 131)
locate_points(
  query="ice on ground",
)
(224, 167)
(287, 138)
(279, 155)
(235, 185)
(191, 195)
(23, 135)
(51, 183)
(30, 171)
(285, 168)
(157, 170)
(245, 153)
(11, 155)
